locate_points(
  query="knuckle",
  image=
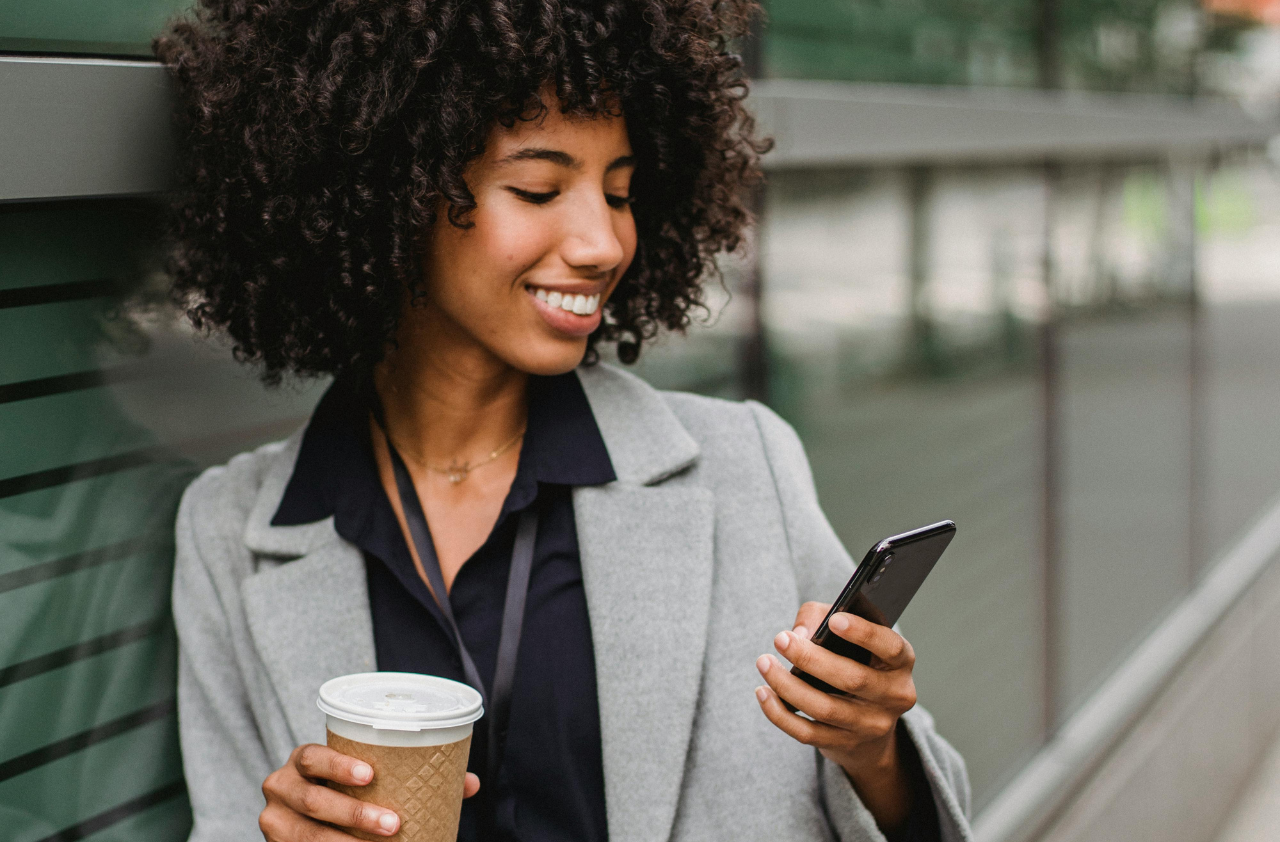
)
(304, 758)
(272, 823)
(800, 656)
(884, 724)
(359, 815)
(826, 710)
(311, 800)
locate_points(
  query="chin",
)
(548, 358)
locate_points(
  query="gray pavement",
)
(1257, 815)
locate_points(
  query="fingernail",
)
(362, 772)
(763, 663)
(782, 641)
(802, 632)
(388, 821)
(761, 694)
(839, 622)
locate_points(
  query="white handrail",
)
(1056, 772)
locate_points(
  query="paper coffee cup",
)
(415, 731)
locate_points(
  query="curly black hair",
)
(320, 138)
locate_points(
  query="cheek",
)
(502, 246)
(482, 262)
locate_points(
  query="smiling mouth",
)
(581, 305)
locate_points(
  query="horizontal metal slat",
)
(83, 127)
(101, 127)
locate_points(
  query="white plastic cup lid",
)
(400, 701)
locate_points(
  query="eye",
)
(533, 198)
(619, 202)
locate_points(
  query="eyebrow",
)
(563, 159)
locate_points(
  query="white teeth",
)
(582, 305)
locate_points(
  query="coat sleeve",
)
(223, 755)
(822, 566)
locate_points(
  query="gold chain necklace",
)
(457, 473)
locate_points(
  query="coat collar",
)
(645, 441)
(647, 556)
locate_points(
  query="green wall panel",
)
(111, 27)
(65, 792)
(106, 599)
(94, 691)
(88, 743)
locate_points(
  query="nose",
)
(591, 242)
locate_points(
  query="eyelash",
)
(615, 202)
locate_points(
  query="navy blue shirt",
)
(551, 780)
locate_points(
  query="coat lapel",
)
(647, 563)
(646, 566)
(309, 617)
(310, 622)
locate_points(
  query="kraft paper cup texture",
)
(415, 731)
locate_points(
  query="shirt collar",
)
(562, 445)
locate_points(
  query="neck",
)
(446, 399)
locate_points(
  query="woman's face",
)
(552, 234)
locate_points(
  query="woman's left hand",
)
(857, 732)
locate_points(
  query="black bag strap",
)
(498, 702)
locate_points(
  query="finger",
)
(471, 786)
(859, 718)
(817, 734)
(323, 763)
(881, 641)
(809, 617)
(280, 824)
(844, 674)
(326, 805)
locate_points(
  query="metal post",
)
(922, 354)
(1182, 284)
(1051, 441)
(753, 362)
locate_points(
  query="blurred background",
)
(1018, 265)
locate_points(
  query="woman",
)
(448, 206)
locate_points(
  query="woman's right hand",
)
(300, 808)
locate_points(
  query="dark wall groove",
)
(117, 814)
(78, 742)
(80, 651)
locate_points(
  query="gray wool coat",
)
(692, 560)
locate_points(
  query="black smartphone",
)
(879, 590)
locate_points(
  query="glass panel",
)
(1124, 402)
(901, 311)
(1240, 337)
